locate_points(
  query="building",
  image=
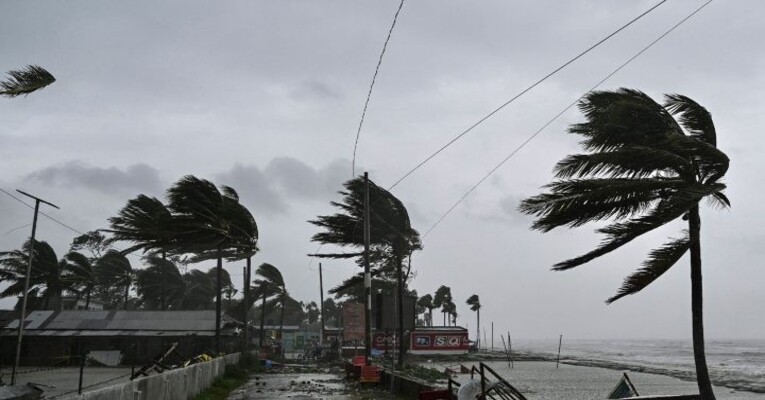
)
(55, 337)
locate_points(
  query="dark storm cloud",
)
(132, 179)
(283, 181)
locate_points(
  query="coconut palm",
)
(210, 224)
(114, 272)
(442, 299)
(647, 165)
(82, 276)
(270, 283)
(426, 302)
(391, 236)
(475, 305)
(160, 285)
(49, 276)
(25, 81)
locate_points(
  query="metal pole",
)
(23, 314)
(560, 342)
(321, 297)
(82, 370)
(367, 277)
(492, 335)
(247, 271)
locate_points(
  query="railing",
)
(499, 389)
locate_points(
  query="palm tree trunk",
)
(218, 298)
(87, 298)
(697, 309)
(247, 304)
(127, 291)
(281, 324)
(478, 327)
(400, 306)
(262, 319)
(164, 283)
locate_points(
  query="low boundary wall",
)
(176, 384)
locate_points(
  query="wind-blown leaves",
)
(644, 170)
(659, 261)
(25, 81)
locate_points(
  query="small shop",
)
(439, 340)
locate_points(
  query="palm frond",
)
(693, 117)
(627, 162)
(659, 261)
(25, 81)
(271, 274)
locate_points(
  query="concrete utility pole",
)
(367, 277)
(321, 298)
(22, 317)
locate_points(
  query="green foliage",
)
(644, 169)
(25, 81)
(430, 375)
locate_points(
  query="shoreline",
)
(689, 376)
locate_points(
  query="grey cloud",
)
(315, 90)
(112, 180)
(254, 188)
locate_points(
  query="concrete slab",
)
(307, 386)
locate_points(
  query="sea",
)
(738, 365)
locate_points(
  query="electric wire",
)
(553, 119)
(371, 86)
(57, 221)
(524, 91)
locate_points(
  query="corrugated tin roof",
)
(96, 321)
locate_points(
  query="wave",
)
(741, 378)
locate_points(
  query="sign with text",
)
(353, 321)
(440, 341)
(384, 341)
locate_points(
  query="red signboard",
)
(353, 321)
(438, 342)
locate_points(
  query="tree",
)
(211, 224)
(161, 285)
(442, 299)
(644, 169)
(270, 283)
(82, 276)
(426, 302)
(331, 312)
(25, 81)
(392, 238)
(475, 305)
(200, 290)
(49, 276)
(114, 272)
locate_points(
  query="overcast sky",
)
(266, 97)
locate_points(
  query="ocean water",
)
(738, 365)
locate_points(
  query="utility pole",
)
(321, 298)
(367, 277)
(23, 315)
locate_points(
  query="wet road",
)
(296, 386)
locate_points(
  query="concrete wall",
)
(177, 384)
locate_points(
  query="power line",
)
(371, 86)
(530, 138)
(55, 220)
(524, 91)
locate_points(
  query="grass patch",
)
(430, 375)
(234, 377)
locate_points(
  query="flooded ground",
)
(540, 380)
(327, 386)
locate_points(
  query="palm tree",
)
(200, 290)
(451, 311)
(475, 305)
(49, 276)
(426, 302)
(644, 168)
(442, 299)
(25, 81)
(160, 285)
(113, 271)
(211, 224)
(391, 236)
(270, 283)
(82, 276)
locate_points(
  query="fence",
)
(177, 384)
